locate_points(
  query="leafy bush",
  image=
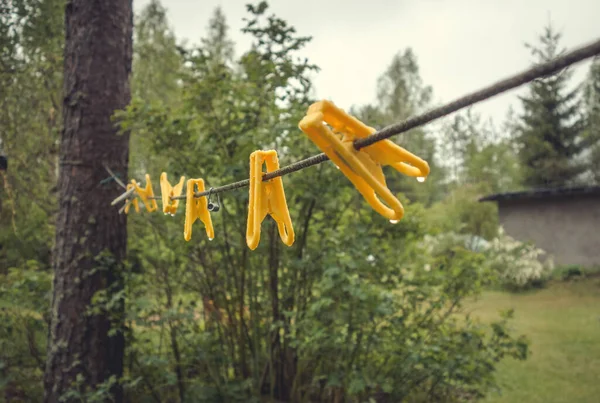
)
(24, 298)
(574, 272)
(461, 212)
(518, 265)
(569, 272)
(391, 328)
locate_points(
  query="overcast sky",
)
(461, 45)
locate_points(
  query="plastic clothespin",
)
(167, 191)
(146, 194)
(196, 208)
(135, 202)
(363, 167)
(267, 198)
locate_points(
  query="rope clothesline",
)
(538, 71)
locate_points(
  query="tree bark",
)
(90, 235)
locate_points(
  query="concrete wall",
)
(568, 227)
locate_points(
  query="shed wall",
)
(568, 227)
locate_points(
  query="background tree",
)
(479, 160)
(551, 125)
(156, 60)
(86, 341)
(401, 94)
(592, 113)
(476, 152)
(31, 44)
(156, 78)
(31, 40)
(219, 48)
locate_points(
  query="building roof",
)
(543, 193)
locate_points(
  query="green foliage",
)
(575, 272)
(476, 153)
(82, 392)
(24, 301)
(462, 212)
(569, 272)
(30, 82)
(591, 135)
(550, 130)
(157, 65)
(157, 62)
(31, 37)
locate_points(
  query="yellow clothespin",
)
(167, 191)
(135, 203)
(196, 208)
(146, 194)
(363, 167)
(267, 198)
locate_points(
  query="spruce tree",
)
(550, 128)
(592, 113)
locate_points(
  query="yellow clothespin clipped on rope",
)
(146, 194)
(167, 191)
(134, 201)
(363, 167)
(196, 208)
(267, 198)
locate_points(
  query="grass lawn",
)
(562, 322)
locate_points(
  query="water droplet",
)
(336, 167)
(172, 215)
(421, 179)
(394, 221)
(210, 239)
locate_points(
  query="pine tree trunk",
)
(90, 234)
